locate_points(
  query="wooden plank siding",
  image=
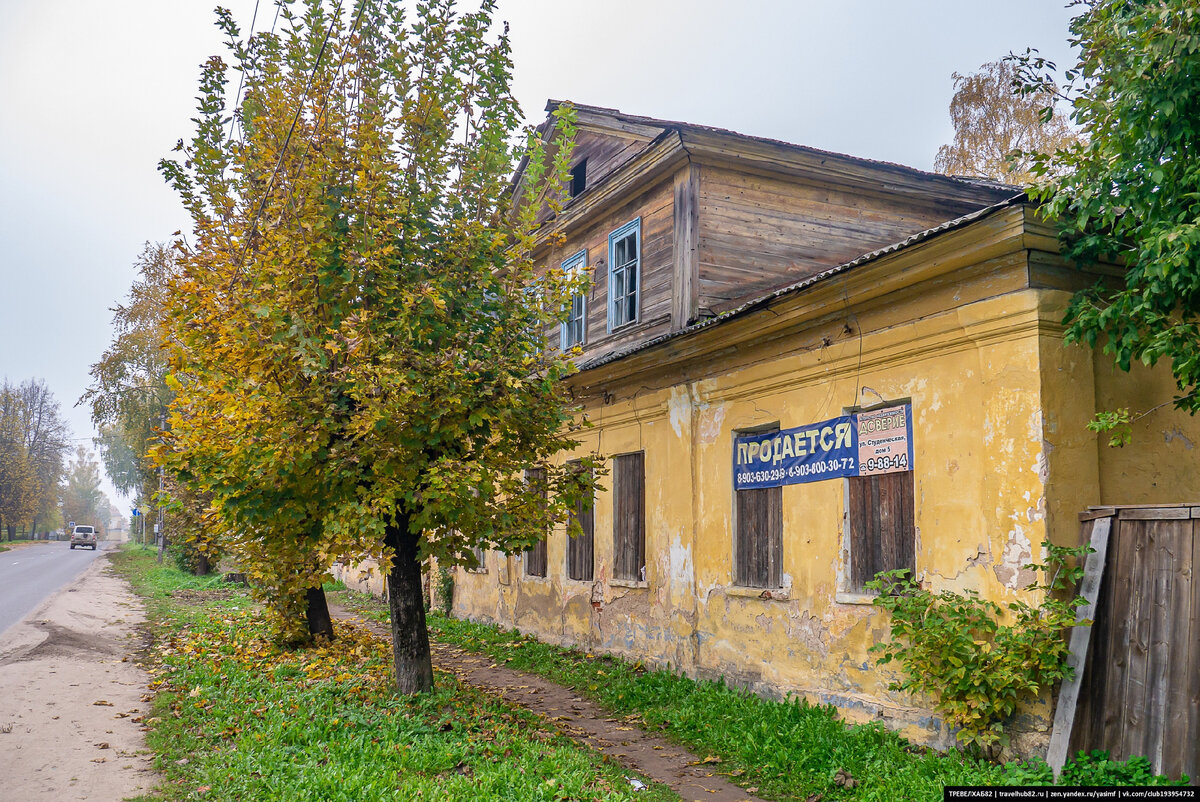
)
(656, 208)
(758, 231)
(718, 230)
(1140, 693)
(605, 152)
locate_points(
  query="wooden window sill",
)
(766, 594)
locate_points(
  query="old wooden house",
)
(803, 368)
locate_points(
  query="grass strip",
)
(786, 750)
(237, 718)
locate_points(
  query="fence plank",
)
(1137, 679)
(1154, 514)
(1068, 694)
(1119, 640)
(1161, 586)
(1189, 691)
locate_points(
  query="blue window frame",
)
(624, 274)
(574, 329)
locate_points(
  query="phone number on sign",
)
(895, 462)
(795, 471)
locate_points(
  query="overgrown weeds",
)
(977, 667)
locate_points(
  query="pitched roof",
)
(599, 115)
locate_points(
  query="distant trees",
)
(34, 441)
(997, 130)
(82, 499)
(129, 395)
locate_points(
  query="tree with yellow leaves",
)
(357, 328)
(997, 128)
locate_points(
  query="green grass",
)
(787, 750)
(236, 718)
(363, 604)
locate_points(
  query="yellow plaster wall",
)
(1002, 458)
(970, 372)
(1162, 463)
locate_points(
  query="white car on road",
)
(84, 536)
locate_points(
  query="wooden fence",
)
(1139, 691)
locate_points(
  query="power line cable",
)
(328, 92)
(237, 97)
(287, 140)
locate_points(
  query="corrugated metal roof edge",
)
(761, 300)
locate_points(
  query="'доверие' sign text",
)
(859, 444)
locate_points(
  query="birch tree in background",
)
(996, 130)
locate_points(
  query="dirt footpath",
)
(71, 696)
(686, 773)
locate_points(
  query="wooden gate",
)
(1140, 689)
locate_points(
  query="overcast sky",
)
(93, 94)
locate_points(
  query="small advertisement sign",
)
(884, 440)
(859, 444)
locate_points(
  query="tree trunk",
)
(319, 622)
(202, 568)
(410, 638)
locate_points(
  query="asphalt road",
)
(30, 574)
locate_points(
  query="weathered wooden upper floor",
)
(674, 222)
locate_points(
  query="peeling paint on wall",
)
(1018, 552)
(1175, 433)
(809, 631)
(679, 409)
(680, 562)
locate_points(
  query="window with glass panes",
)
(624, 267)
(575, 326)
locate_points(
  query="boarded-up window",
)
(629, 517)
(580, 549)
(883, 532)
(476, 564)
(535, 558)
(758, 547)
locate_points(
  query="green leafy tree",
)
(976, 660)
(82, 499)
(360, 365)
(128, 395)
(33, 418)
(997, 129)
(18, 480)
(1131, 190)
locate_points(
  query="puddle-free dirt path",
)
(71, 696)
(653, 757)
